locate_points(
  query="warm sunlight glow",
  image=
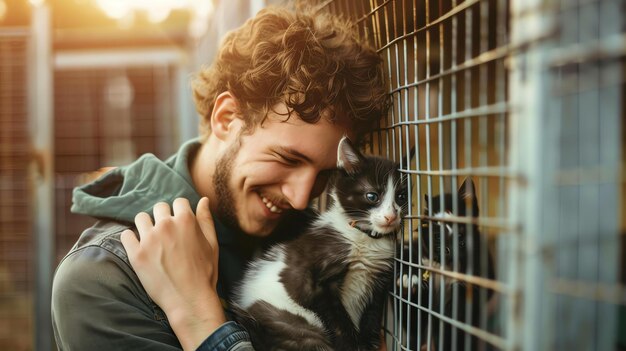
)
(3, 9)
(202, 11)
(158, 13)
(36, 2)
(156, 10)
(114, 8)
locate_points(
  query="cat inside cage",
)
(436, 271)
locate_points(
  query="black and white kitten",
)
(325, 290)
(468, 252)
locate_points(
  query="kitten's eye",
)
(372, 197)
(401, 198)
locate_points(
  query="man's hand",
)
(176, 260)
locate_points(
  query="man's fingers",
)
(130, 242)
(205, 220)
(181, 205)
(161, 211)
(143, 222)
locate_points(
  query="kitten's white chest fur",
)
(367, 256)
(262, 283)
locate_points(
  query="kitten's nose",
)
(390, 218)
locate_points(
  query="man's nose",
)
(297, 189)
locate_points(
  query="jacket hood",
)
(125, 191)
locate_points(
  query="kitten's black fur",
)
(468, 252)
(327, 266)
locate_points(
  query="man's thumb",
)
(205, 221)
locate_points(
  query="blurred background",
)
(85, 84)
(524, 96)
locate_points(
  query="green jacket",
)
(98, 303)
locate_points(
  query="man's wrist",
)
(194, 324)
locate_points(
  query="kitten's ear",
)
(467, 192)
(348, 157)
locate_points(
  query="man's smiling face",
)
(279, 167)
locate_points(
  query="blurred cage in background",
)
(525, 99)
(569, 136)
(80, 91)
(16, 245)
(66, 111)
(110, 107)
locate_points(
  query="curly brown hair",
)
(314, 63)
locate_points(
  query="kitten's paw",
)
(406, 282)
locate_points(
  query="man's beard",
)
(226, 211)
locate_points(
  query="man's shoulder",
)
(98, 301)
(98, 249)
(105, 235)
(98, 263)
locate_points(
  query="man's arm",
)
(98, 304)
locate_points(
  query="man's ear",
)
(225, 118)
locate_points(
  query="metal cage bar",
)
(42, 134)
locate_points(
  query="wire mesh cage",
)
(16, 244)
(109, 108)
(106, 117)
(507, 119)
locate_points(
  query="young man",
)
(283, 90)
